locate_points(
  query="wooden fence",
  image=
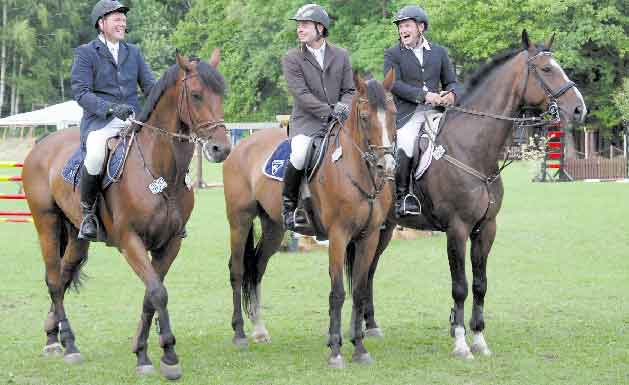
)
(597, 168)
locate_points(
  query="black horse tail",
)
(250, 274)
(350, 256)
(77, 277)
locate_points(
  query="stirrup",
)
(408, 212)
(300, 212)
(82, 235)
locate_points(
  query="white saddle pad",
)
(431, 129)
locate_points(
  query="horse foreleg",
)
(337, 250)
(161, 262)
(137, 257)
(457, 236)
(363, 260)
(481, 245)
(371, 326)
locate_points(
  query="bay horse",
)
(351, 197)
(461, 193)
(183, 108)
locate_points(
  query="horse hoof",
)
(336, 362)
(374, 333)
(73, 358)
(145, 370)
(241, 342)
(464, 354)
(363, 359)
(482, 350)
(170, 372)
(53, 350)
(261, 338)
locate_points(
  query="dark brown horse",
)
(184, 107)
(461, 193)
(351, 196)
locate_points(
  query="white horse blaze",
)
(386, 141)
(566, 79)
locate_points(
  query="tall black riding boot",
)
(405, 204)
(89, 192)
(290, 195)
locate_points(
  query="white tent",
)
(60, 115)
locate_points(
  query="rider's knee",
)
(95, 152)
(299, 150)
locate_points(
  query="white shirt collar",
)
(424, 44)
(318, 53)
(113, 47)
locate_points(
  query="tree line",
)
(38, 37)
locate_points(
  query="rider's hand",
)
(447, 98)
(432, 98)
(121, 111)
(340, 112)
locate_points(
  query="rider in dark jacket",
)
(105, 77)
(424, 78)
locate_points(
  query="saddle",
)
(117, 149)
(425, 146)
(274, 168)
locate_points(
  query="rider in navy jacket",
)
(105, 76)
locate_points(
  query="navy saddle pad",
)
(71, 169)
(275, 165)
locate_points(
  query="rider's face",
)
(409, 32)
(306, 32)
(113, 26)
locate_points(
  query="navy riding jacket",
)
(98, 82)
(411, 77)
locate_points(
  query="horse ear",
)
(215, 58)
(361, 87)
(549, 43)
(526, 42)
(182, 61)
(388, 80)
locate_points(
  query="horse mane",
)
(477, 80)
(375, 94)
(208, 74)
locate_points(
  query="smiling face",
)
(410, 32)
(113, 26)
(307, 32)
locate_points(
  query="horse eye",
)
(197, 97)
(546, 69)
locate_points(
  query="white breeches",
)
(299, 148)
(407, 135)
(96, 145)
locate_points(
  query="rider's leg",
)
(293, 173)
(406, 138)
(90, 176)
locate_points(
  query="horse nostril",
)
(215, 148)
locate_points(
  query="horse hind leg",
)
(457, 236)
(269, 243)
(59, 237)
(241, 246)
(480, 247)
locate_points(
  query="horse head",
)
(200, 104)
(375, 116)
(547, 84)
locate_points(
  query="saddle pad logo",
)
(276, 165)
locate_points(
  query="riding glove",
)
(121, 111)
(340, 112)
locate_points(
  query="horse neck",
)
(499, 97)
(166, 156)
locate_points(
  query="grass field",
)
(556, 308)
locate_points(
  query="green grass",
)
(556, 308)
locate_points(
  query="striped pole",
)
(15, 213)
(11, 164)
(5, 178)
(16, 220)
(12, 196)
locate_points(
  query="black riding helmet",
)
(103, 7)
(411, 12)
(314, 13)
